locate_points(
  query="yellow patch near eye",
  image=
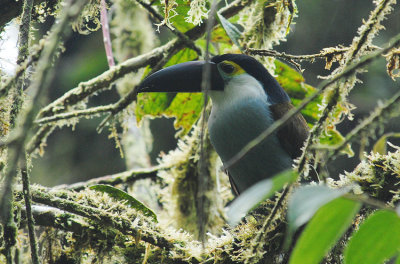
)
(237, 69)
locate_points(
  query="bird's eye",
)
(227, 67)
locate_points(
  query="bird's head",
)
(225, 70)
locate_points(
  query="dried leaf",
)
(393, 63)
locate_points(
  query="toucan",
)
(246, 100)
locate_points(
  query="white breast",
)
(239, 114)
(239, 87)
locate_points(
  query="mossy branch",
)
(125, 177)
(121, 223)
(379, 116)
(90, 112)
(17, 100)
(330, 55)
(105, 79)
(369, 29)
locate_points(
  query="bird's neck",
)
(239, 87)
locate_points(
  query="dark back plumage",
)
(275, 92)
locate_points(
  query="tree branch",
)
(114, 179)
(379, 116)
(120, 222)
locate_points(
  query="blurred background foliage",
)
(83, 153)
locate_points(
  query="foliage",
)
(352, 218)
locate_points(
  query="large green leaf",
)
(377, 239)
(325, 228)
(123, 196)
(306, 200)
(185, 107)
(257, 193)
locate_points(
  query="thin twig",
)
(39, 139)
(329, 54)
(29, 217)
(74, 114)
(290, 57)
(17, 104)
(106, 33)
(369, 201)
(203, 175)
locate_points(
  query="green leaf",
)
(292, 81)
(257, 193)
(377, 239)
(218, 35)
(231, 30)
(185, 107)
(183, 55)
(306, 200)
(398, 259)
(325, 228)
(177, 16)
(294, 84)
(123, 196)
(380, 145)
(333, 138)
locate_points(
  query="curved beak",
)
(181, 78)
